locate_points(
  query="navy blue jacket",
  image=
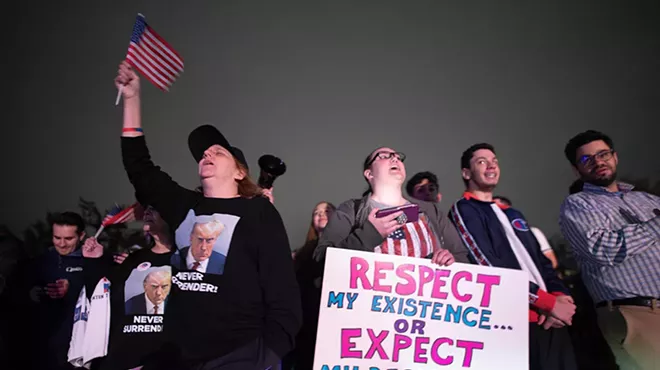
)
(476, 220)
(55, 316)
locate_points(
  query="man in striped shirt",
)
(615, 236)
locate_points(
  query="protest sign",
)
(384, 312)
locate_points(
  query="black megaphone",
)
(271, 168)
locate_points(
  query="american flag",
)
(413, 239)
(118, 215)
(153, 56)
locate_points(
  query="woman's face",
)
(152, 222)
(320, 216)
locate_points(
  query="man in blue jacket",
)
(55, 279)
(498, 235)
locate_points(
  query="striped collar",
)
(623, 189)
(470, 196)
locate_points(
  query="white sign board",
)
(383, 312)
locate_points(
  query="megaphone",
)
(271, 168)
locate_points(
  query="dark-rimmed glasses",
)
(387, 155)
(590, 160)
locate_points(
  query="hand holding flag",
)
(152, 56)
(117, 216)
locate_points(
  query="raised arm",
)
(97, 264)
(592, 236)
(154, 185)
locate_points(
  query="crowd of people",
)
(219, 287)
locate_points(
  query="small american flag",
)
(119, 216)
(153, 56)
(413, 239)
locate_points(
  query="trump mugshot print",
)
(203, 242)
(147, 289)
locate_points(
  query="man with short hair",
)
(615, 235)
(355, 225)
(424, 186)
(497, 235)
(56, 278)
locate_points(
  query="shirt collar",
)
(190, 260)
(470, 196)
(623, 189)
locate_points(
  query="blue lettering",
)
(466, 320)
(375, 303)
(337, 299)
(435, 314)
(412, 308)
(454, 311)
(425, 305)
(389, 301)
(350, 297)
(485, 317)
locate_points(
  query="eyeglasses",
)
(590, 160)
(387, 155)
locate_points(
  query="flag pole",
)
(121, 87)
(99, 231)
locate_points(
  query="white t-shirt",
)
(543, 241)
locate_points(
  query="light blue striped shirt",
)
(616, 241)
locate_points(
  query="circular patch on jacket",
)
(520, 224)
(143, 266)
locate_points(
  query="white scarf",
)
(524, 260)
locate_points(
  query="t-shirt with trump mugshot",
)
(140, 289)
(233, 282)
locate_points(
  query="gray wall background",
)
(320, 84)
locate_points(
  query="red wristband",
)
(131, 129)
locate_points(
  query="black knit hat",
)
(205, 136)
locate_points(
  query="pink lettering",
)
(438, 283)
(377, 344)
(469, 346)
(488, 281)
(359, 268)
(454, 285)
(400, 342)
(409, 287)
(419, 351)
(436, 356)
(379, 274)
(425, 277)
(347, 345)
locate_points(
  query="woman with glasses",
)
(140, 286)
(356, 225)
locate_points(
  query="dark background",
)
(321, 84)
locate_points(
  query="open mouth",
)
(490, 175)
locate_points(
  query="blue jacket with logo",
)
(55, 316)
(482, 233)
